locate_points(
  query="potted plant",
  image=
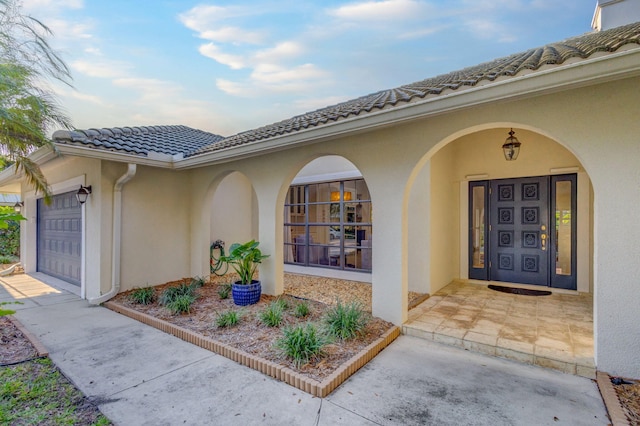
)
(244, 259)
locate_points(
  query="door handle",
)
(543, 240)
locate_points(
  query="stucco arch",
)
(320, 167)
(436, 199)
(229, 211)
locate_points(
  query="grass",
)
(36, 393)
(345, 321)
(302, 309)
(171, 294)
(301, 343)
(224, 290)
(181, 304)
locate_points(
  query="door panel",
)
(519, 230)
(59, 248)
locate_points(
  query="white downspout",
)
(116, 232)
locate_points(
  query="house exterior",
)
(424, 161)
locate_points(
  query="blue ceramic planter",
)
(248, 294)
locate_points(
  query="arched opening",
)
(328, 229)
(470, 210)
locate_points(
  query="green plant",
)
(198, 282)
(181, 304)
(224, 290)
(302, 309)
(35, 393)
(345, 321)
(283, 303)
(4, 259)
(244, 258)
(272, 315)
(4, 312)
(301, 343)
(143, 296)
(170, 294)
(228, 319)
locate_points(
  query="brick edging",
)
(270, 368)
(610, 398)
(39, 347)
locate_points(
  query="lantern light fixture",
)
(511, 147)
(83, 194)
(18, 206)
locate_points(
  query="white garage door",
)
(60, 238)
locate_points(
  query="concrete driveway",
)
(138, 375)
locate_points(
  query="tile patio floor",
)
(553, 331)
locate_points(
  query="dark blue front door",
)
(519, 230)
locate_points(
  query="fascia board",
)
(79, 151)
(590, 71)
(40, 156)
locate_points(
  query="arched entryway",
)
(455, 221)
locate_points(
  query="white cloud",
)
(233, 35)
(283, 50)
(212, 51)
(69, 30)
(385, 10)
(101, 69)
(277, 75)
(487, 29)
(200, 18)
(150, 89)
(235, 88)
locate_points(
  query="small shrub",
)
(302, 309)
(272, 315)
(5, 260)
(170, 294)
(143, 296)
(224, 290)
(284, 305)
(198, 282)
(228, 319)
(4, 312)
(301, 343)
(345, 321)
(181, 304)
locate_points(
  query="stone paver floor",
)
(553, 331)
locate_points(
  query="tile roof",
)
(169, 140)
(174, 140)
(552, 54)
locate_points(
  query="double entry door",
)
(524, 230)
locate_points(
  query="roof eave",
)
(617, 65)
(80, 151)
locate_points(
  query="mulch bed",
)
(15, 347)
(251, 335)
(628, 392)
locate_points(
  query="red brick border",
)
(39, 347)
(311, 386)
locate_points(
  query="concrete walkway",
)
(140, 376)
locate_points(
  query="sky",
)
(230, 66)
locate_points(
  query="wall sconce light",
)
(83, 194)
(18, 206)
(511, 147)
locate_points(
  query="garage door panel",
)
(60, 238)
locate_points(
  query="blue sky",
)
(229, 66)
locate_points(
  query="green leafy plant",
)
(224, 290)
(283, 303)
(302, 309)
(7, 259)
(170, 294)
(181, 304)
(143, 296)
(301, 343)
(272, 315)
(198, 282)
(228, 319)
(345, 321)
(244, 259)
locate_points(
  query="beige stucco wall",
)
(167, 214)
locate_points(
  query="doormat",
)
(523, 291)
